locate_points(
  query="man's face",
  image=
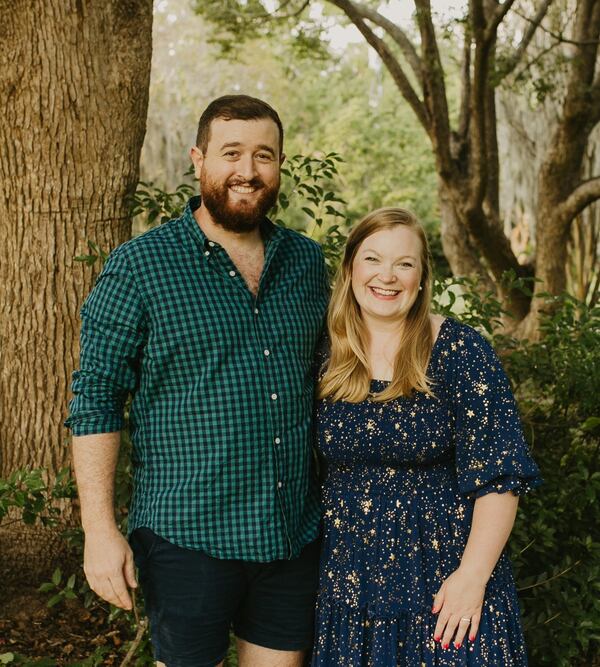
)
(240, 172)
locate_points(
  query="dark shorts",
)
(193, 600)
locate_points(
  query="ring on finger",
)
(465, 618)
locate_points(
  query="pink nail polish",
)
(457, 645)
(472, 638)
(436, 639)
(446, 646)
(434, 610)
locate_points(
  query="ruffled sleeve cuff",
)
(474, 484)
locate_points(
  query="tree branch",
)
(274, 15)
(585, 193)
(534, 24)
(558, 36)
(501, 12)
(434, 89)
(477, 131)
(465, 76)
(389, 60)
(397, 34)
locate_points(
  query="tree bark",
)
(560, 176)
(74, 77)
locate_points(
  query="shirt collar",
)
(271, 233)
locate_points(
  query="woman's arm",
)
(460, 597)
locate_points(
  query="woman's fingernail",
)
(436, 639)
(472, 638)
(434, 610)
(446, 646)
(457, 645)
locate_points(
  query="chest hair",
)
(250, 266)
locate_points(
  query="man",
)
(210, 321)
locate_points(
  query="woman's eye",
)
(370, 259)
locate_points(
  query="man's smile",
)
(243, 189)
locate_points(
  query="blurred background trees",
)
(482, 118)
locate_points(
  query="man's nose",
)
(246, 168)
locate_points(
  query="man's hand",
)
(108, 566)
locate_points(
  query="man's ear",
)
(197, 157)
(281, 159)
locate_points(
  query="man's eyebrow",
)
(231, 144)
(264, 147)
(235, 144)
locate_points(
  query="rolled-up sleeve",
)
(113, 333)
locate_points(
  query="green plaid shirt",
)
(222, 386)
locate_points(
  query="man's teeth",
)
(385, 292)
(242, 189)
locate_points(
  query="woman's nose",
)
(386, 274)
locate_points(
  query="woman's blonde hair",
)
(348, 375)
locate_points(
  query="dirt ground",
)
(66, 634)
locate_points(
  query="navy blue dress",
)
(402, 479)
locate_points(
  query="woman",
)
(425, 461)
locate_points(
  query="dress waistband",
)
(389, 479)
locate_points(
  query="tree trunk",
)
(457, 245)
(74, 76)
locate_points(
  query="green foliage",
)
(308, 203)
(59, 592)
(96, 253)
(556, 539)
(28, 494)
(156, 206)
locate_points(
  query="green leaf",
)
(590, 423)
(46, 587)
(56, 576)
(6, 658)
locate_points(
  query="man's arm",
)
(108, 559)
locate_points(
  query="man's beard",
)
(241, 216)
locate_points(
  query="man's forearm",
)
(95, 460)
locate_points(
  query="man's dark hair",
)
(235, 107)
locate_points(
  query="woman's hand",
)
(458, 602)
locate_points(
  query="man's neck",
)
(224, 237)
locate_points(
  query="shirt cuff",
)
(92, 424)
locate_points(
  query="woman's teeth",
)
(385, 292)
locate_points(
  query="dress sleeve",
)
(492, 455)
(113, 330)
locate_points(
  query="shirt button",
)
(279, 485)
(256, 311)
(207, 253)
(274, 397)
(211, 244)
(266, 353)
(277, 441)
(232, 273)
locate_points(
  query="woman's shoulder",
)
(458, 332)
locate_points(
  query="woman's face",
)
(386, 273)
